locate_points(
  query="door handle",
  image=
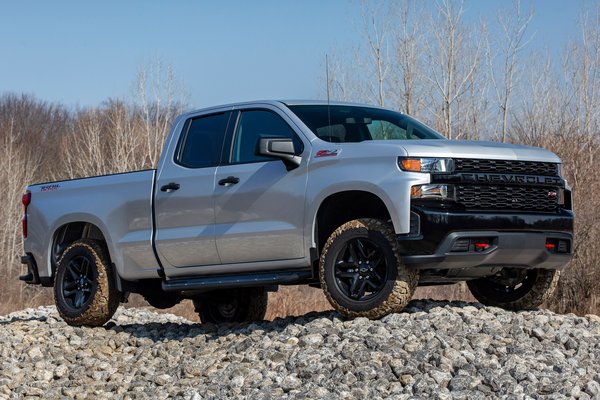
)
(169, 187)
(230, 180)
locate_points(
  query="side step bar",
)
(237, 281)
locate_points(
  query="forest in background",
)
(467, 80)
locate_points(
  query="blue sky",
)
(81, 52)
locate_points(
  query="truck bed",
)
(121, 203)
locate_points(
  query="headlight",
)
(440, 192)
(426, 164)
(560, 170)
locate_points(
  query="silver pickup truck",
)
(364, 202)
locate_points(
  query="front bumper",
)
(515, 239)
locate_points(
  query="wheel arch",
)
(71, 230)
(340, 207)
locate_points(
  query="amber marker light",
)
(411, 164)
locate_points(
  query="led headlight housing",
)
(428, 165)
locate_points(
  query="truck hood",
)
(473, 149)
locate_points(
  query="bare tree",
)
(125, 148)
(160, 100)
(454, 56)
(104, 140)
(504, 67)
(582, 72)
(408, 53)
(341, 78)
(376, 27)
(26, 130)
(85, 147)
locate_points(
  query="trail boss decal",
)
(48, 188)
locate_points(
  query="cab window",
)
(202, 141)
(253, 125)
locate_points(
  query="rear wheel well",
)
(71, 232)
(339, 208)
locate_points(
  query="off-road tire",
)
(232, 305)
(155, 296)
(400, 282)
(534, 292)
(104, 297)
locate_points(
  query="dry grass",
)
(296, 301)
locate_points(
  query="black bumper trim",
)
(519, 239)
(510, 249)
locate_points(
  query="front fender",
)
(394, 192)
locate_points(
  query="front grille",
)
(507, 198)
(506, 167)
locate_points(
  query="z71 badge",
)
(327, 153)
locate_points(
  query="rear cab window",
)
(201, 141)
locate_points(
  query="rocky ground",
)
(432, 350)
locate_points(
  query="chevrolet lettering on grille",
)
(511, 179)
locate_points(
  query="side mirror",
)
(282, 148)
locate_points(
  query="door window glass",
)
(385, 130)
(203, 141)
(256, 124)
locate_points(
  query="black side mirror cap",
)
(282, 148)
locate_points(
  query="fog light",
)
(441, 192)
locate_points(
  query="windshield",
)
(344, 124)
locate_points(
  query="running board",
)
(237, 281)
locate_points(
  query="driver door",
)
(259, 204)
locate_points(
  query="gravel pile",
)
(433, 350)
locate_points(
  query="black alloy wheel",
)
(515, 288)
(511, 283)
(360, 269)
(84, 286)
(232, 305)
(78, 282)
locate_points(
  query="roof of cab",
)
(277, 103)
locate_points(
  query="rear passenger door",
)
(259, 204)
(184, 194)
